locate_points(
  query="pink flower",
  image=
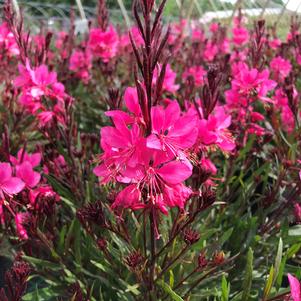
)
(214, 27)
(171, 132)
(215, 130)
(197, 72)
(197, 35)
(8, 184)
(295, 288)
(281, 67)
(25, 172)
(122, 147)
(211, 51)
(169, 79)
(7, 41)
(252, 84)
(42, 192)
(125, 42)
(177, 31)
(240, 36)
(33, 159)
(275, 43)
(80, 63)
(19, 219)
(39, 81)
(103, 44)
(163, 181)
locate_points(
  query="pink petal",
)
(12, 186)
(175, 172)
(295, 287)
(153, 142)
(5, 172)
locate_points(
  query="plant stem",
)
(153, 250)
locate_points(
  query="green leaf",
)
(269, 284)
(225, 289)
(174, 296)
(247, 283)
(295, 231)
(293, 250)
(42, 263)
(171, 278)
(278, 260)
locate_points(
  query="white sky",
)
(294, 5)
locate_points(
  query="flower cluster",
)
(41, 94)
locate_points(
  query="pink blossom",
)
(81, 63)
(25, 172)
(34, 159)
(252, 84)
(214, 131)
(177, 31)
(197, 35)
(240, 36)
(214, 27)
(125, 42)
(295, 288)
(36, 83)
(42, 192)
(19, 219)
(163, 181)
(8, 184)
(171, 132)
(7, 41)
(169, 79)
(211, 51)
(197, 73)
(281, 67)
(275, 43)
(103, 44)
(281, 104)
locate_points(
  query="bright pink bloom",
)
(295, 288)
(214, 27)
(19, 219)
(197, 35)
(252, 84)
(122, 147)
(177, 31)
(7, 41)
(172, 132)
(39, 82)
(42, 192)
(81, 63)
(8, 184)
(281, 67)
(25, 172)
(240, 36)
(22, 156)
(197, 73)
(169, 79)
(214, 131)
(287, 116)
(211, 51)
(61, 42)
(103, 44)
(162, 180)
(275, 43)
(125, 42)
(208, 166)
